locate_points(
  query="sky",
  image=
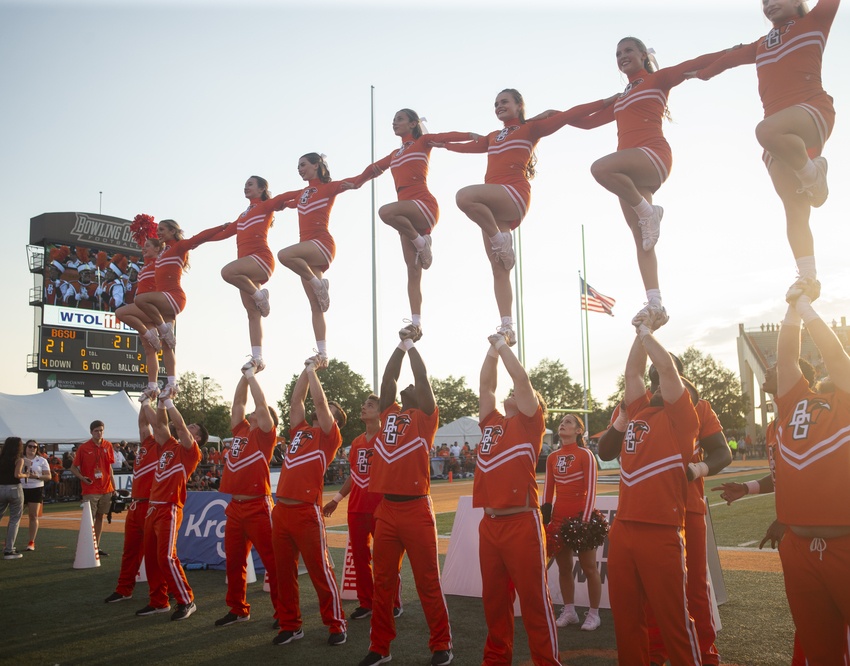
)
(166, 108)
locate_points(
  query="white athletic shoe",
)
(567, 617)
(425, 256)
(149, 394)
(168, 338)
(322, 295)
(804, 286)
(817, 191)
(255, 365)
(505, 253)
(509, 333)
(170, 391)
(263, 303)
(652, 316)
(650, 228)
(320, 360)
(410, 332)
(591, 622)
(153, 339)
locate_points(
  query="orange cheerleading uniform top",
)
(95, 462)
(360, 458)
(507, 458)
(144, 466)
(640, 108)
(147, 278)
(175, 466)
(310, 451)
(402, 461)
(246, 462)
(709, 425)
(172, 260)
(571, 477)
(659, 442)
(788, 60)
(812, 457)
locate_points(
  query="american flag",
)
(594, 301)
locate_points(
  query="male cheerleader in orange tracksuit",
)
(177, 461)
(249, 513)
(144, 465)
(297, 525)
(512, 548)
(401, 470)
(646, 561)
(812, 493)
(361, 509)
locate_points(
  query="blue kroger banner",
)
(201, 536)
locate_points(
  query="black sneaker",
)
(11, 555)
(231, 618)
(102, 553)
(152, 610)
(285, 637)
(115, 596)
(374, 658)
(360, 613)
(185, 610)
(276, 625)
(442, 658)
(397, 611)
(337, 639)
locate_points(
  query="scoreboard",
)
(91, 351)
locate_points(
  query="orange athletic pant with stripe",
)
(361, 530)
(407, 527)
(134, 547)
(512, 549)
(699, 602)
(646, 565)
(817, 584)
(165, 574)
(248, 522)
(299, 528)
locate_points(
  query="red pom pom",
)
(143, 227)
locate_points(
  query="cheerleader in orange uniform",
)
(144, 231)
(163, 305)
(571, 473)
(312, 256)
(501, 203)
(798, 116)
(254, 264)
(415, 214)
(643, 159)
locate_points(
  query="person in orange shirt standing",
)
(812, 494)
(179, 456)
(93, 467)
(646, 560)
(512, 547)
(249, 513)
(405, 520)
(798, 118)
(297, 524)
(144, 465)
(361, 509)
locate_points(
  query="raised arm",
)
(320, 400)
(635, 371)
(297, 412)
(144, 426)
(158, 420)
(265, 422)
(834, 357)
(487, 382)
(611, 442)
(676, 74)
(554, 122)
(424, 393)
(389, 382)
(200, 238)
(372, 171)
(240, 403)
(788, 352)
(670, 383)
(183, 435)
(526, 398)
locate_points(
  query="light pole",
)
(204, 381)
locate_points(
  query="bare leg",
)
(245, 274)
(319, 329)
(255, 319)
(414, 275)
(787, 134)
(501, 283)
(489, 206)
(300, 258)
(797, 210)
(564, 558)
(647, 261)
(587, 559)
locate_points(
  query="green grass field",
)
(54, 614)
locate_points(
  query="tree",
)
(556, 386)
(200, 401)
(719, 385)
(454, 398)
(342, 385)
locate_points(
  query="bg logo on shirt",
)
(141, 454)
(305, 196)
(165, 459)
(395, 428)
(490, 438)
(634, 84)
(296, 441)
(236, 447)
(363, 460)
(564, 463)
(774, 37)
(504, 133)
(635, 433)
(803, 415)
(404, 146)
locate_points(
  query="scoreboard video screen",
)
(78, 350)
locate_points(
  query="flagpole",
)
(581, 328)
(374, 251)
(586, 321)
(520, 310)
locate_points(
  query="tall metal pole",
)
(374, 253)
(583, 356)
(100, 205)
(586, 323)
(520, 309)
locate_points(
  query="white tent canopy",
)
(465, 429)
(59, 417)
